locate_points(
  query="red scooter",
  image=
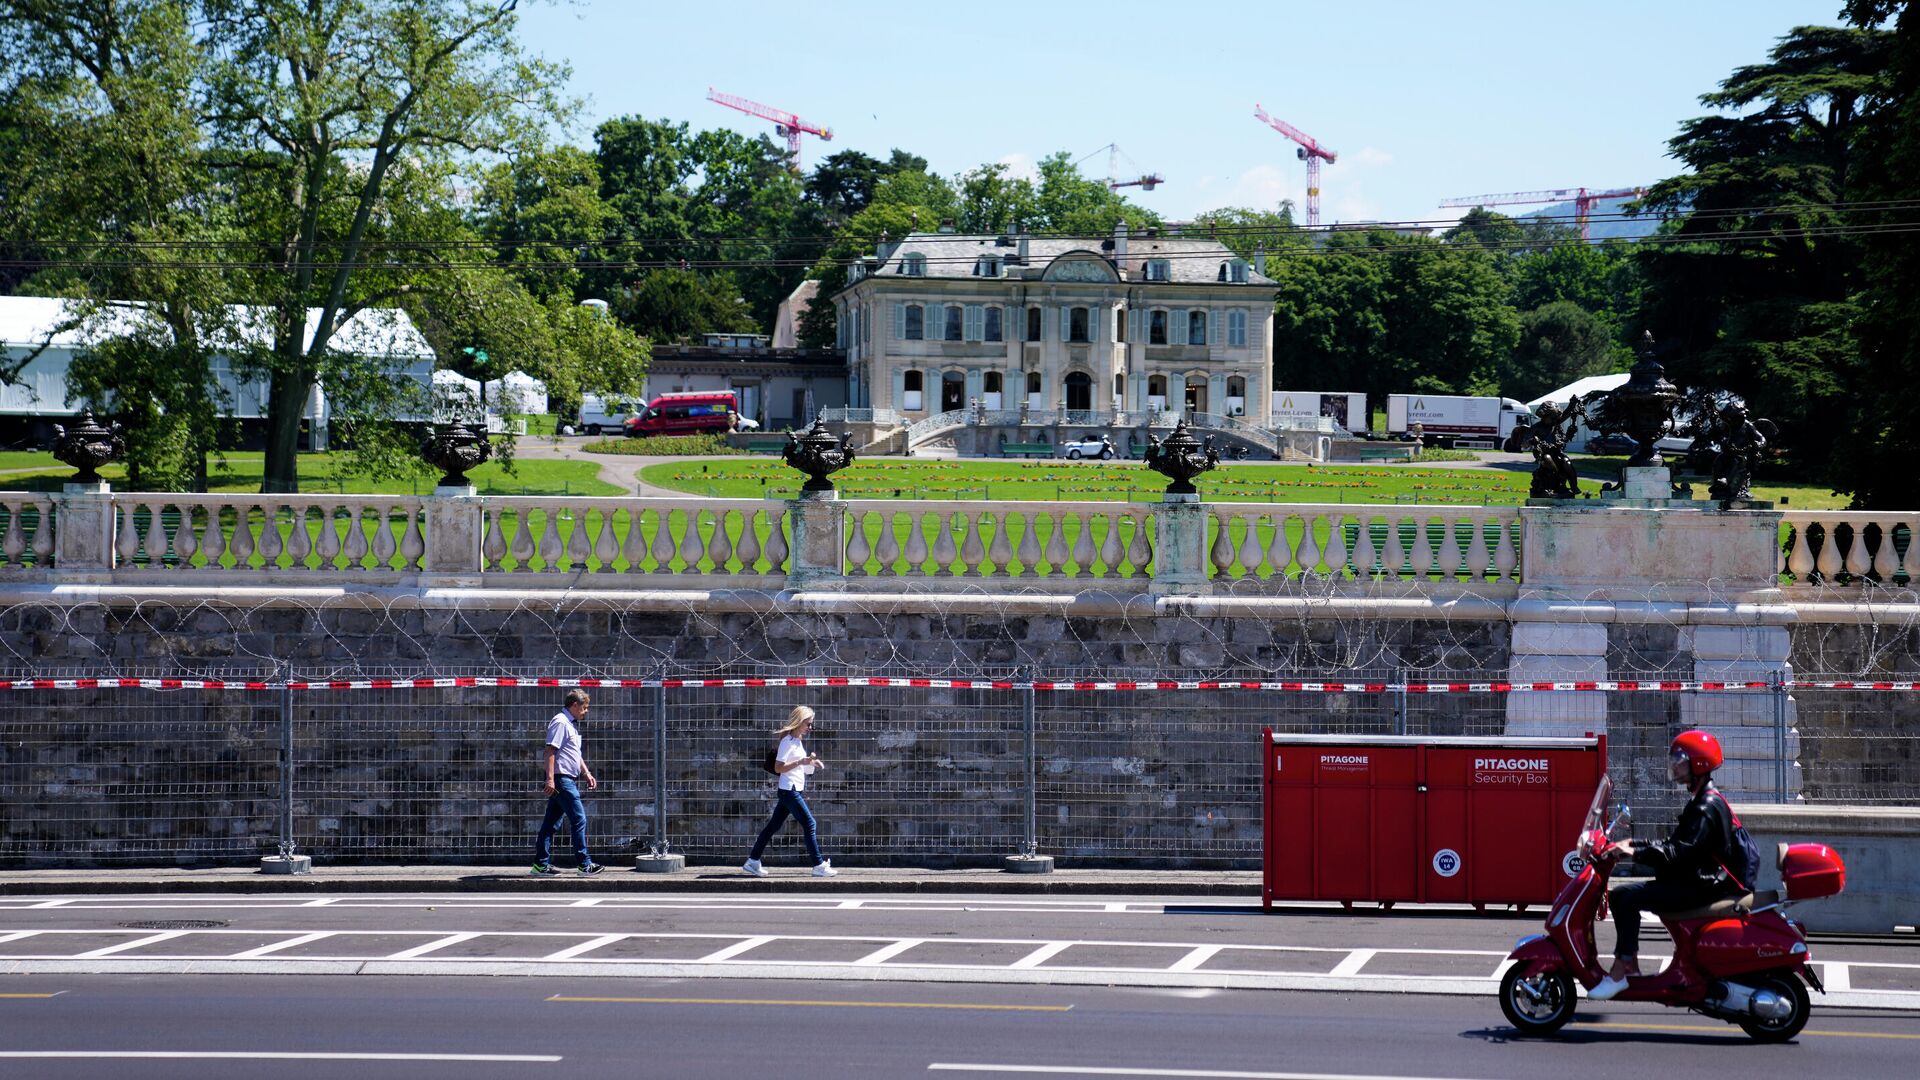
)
(1740, 960)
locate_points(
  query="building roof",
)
(1592, 384)
(1190, 261)
(32, 321)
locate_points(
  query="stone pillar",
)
(819, 540)
(1180, 564)
(454, 522)
(83, 534)
(1551, 650)
(1745, 720)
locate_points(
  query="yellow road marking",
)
(1730, 1029)
(11, 997)
(816, 1004)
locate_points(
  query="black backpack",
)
(1743, 855)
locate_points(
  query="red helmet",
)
(1701, 750)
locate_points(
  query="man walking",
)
(566, 767)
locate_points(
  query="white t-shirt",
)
(794, 779)
(564, 737)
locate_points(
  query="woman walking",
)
(794, 764)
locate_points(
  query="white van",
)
(598, 416)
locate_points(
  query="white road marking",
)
(431, 946)
(17, 935)
(733, 950)
(590, 901)
(1193, 959)
(265, 950)
(124, 946)
(1041, 955)
(1121, 1070)
(849, 905)
(52, 903)
(322, 902)
(881, 956)
(1355, 960)
(1838, 977)
(1116, 907)
(272, 1055)
(584, 947)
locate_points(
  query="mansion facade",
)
(1137, 322)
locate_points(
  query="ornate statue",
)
(818, 454)
(1181, 458)
(455, 448)
(87, 446)
(1553, 475)
(1737, 443)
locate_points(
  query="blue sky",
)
(1422, 100)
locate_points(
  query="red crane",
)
(786, 124)
(1582, 199)
(1310, 152)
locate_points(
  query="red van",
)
(687, 413)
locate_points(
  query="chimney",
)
(1120, 242)
(1023, 249)
(1260, 260)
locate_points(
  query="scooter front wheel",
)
(1537, 1004)
(1793, 992)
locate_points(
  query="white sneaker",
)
(752, 866)
(1608, 989)
(825, 869)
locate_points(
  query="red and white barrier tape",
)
(509, 682)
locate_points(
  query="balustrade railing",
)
(318, 534)
(633, 536)
(935, 424)
(26, 531)
(1004, 540)
(1849, 547)
(1374, 543)
(860, 416)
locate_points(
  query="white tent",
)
(518, 392)
(1584, 388)
(455, 397)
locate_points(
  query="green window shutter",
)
(1066, 322)
(899, 388)
(1214, 334)
(1177, 333)
(899, 323)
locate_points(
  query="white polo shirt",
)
(564, 737)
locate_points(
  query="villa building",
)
(1138, 322)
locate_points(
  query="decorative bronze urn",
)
(1181, 458)
(818, 454)
(1644, 405)
(455, 448)
(87, 446)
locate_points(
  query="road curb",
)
(621, 881)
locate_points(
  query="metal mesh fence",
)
(916, 773)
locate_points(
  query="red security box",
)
(1389, 819)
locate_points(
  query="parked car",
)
(685, 413)
(598, 414)
(1090, 447)
(1611, 442)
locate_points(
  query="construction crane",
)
(785, 124)
(1146, 181)
(1582, 199)
(1310, 151)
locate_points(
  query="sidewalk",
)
(1244, 884)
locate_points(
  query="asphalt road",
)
(175, 1026)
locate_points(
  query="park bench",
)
(1027, 449)
(766, 444)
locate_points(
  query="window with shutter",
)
(1213, 332)
(916, 323)
(1066, 324)
(899, 322)
(993, 330)
(1157, 327)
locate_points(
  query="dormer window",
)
(1234, 271)
(986, 266)
(913, 265)
(1158, 270)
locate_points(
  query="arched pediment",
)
(1081, 266)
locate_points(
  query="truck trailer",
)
(1307, 409)
(1447, 420)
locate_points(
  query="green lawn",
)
(240, 472)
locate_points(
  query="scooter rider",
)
(1690, 868)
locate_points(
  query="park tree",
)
(1874, 457)
(1559, 342)
(1756, 285)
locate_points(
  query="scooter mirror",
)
(1622, 821)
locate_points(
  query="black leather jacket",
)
(1696, 854)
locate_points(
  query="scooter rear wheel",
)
(1538, 1004)
(1790, 988)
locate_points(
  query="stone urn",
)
(87, 446)
(1181, 458)
(1644, 406)
(818, 454)
(455, 448)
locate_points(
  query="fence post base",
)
(1027, 864)
(283, 864)
(659, 864)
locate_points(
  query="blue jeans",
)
(565, 801)
(791, 804)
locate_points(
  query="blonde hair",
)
(800, 715)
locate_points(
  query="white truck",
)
(1300, 410)
(1446, 420)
